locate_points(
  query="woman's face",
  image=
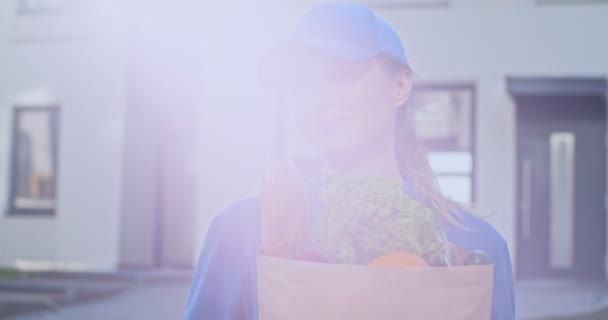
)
(344, 107)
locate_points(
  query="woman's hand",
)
(283, 209)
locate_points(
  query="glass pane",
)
(456, 188)
(443, 117)
(562, 199)
(451, 162)
(35, 148)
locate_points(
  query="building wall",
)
(85, 75)
(465, 43)
(485, 45)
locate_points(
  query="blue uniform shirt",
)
(224, 284)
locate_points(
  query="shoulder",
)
(237, 224)
(475, 233)
(239, 212)
(225, 264)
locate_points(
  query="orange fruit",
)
(399, 259)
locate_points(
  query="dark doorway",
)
(159, 195)
(561, 170)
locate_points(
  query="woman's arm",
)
(220, 285)
(503, 306)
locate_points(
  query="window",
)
(34, 161)
(444, 117)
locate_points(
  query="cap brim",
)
(275, 65)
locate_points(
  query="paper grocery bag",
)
(299, 290)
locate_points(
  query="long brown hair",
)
(414, 165)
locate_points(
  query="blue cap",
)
(343, 30)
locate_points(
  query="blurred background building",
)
(126, 126)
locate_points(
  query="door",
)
(159, 177)
(561, 220)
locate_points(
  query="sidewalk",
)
(159, 296)
(550, 298)
(150, 302)
(95, 295)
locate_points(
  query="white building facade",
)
(123, 198)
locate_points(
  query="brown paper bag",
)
(299, 290)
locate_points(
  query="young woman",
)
(347, 79)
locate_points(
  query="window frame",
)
(446, 86)
(17, 110)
